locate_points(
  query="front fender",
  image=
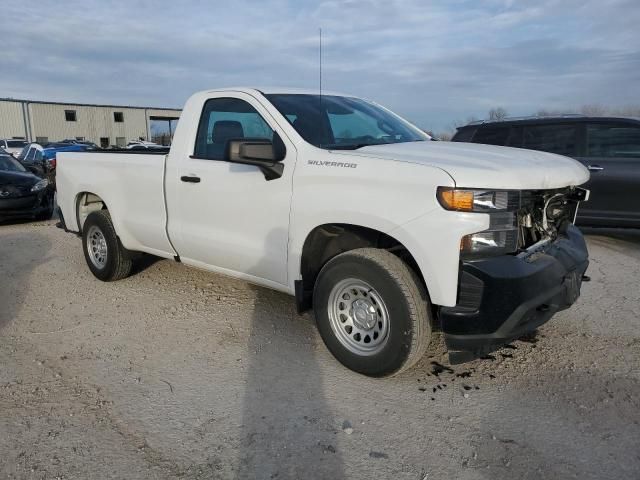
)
(395, 198)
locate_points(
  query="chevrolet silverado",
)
(344, 205)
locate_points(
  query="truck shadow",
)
(143, 262)
(20, 253)
(287, 426)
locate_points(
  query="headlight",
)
(501, 205)
(40, 185)
(489, 243)
(484, 201)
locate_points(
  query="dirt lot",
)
(177, 373)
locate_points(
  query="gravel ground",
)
(178, 373)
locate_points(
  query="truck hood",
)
(486, 166)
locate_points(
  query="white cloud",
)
(431, 61)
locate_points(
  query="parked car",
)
(12, 146)
(73, 141)
(350, 209)
(143, 145)
(23, 194)
(149, 147)
(609, 147)
(41, 159)
(32, 158)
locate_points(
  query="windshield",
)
(333, 122)
(16, 143)
(8, 164)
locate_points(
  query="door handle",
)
(595, 168)
(190, 179)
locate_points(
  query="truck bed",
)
(131, 185)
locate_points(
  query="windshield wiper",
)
(354, 146)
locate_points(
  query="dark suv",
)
(608, 147)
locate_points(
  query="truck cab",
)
(353, 211)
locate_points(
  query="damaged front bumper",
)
(505, 297)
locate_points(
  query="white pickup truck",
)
(354, 211)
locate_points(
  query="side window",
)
(31, 155)
(560, 139)
(225, 119)
(492, 135)
(38, 156)
(613, 140)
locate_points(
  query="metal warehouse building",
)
(105, 125)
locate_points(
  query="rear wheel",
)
(372, 312)
(107, 259)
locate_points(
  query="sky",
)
(434, 62)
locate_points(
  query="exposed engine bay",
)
(543, 214)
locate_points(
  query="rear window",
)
(613, 140)
(492, 135)
(560, 139)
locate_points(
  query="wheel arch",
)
(326, 241)
(85, 203)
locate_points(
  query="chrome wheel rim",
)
(97, 247)
(358, 316)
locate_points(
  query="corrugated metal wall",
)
(11, 119)
(92, 122)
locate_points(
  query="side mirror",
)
(260, 152)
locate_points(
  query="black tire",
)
(118, 262)
(406, 301)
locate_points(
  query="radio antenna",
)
(320, 81)
(320, 59)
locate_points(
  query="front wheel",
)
(372, 312)
(107, 259)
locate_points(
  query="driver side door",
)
(229, 217)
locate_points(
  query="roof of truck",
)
(283, 90)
